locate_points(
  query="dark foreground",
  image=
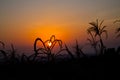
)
(94, 68)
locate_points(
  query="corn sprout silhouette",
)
(48, 46)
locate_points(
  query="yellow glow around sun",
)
(45, 32)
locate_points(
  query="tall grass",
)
(13, 56)
(3, 54)
(79, 51)
(69, 52)
(8, 56)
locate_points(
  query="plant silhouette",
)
(3, 54)
(13, 57)
(9, 56)
(98, 30)
(79, 51)
(95, 32)
(92, 41)
(47, 49)
(69, 52)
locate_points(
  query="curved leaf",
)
(101, 23)
(35, 44)
(93, 24)
(52, 38)
(103, 28)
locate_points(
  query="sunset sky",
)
(22, 21)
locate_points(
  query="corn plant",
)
(47, 48)
(98, 29)
(92, 41)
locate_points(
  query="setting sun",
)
(49, 43)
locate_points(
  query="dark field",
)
(93, 68)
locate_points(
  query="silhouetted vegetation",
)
(78, 51)
(98, 29)
(48, 46)
(92, 41)
(95, 39)
(78, 65)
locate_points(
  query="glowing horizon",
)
(21, 22)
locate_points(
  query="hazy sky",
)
(21, 21)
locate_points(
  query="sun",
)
(49, 43)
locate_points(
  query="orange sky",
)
(21, 22)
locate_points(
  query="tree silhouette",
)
(118, 29)
(98, 30)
